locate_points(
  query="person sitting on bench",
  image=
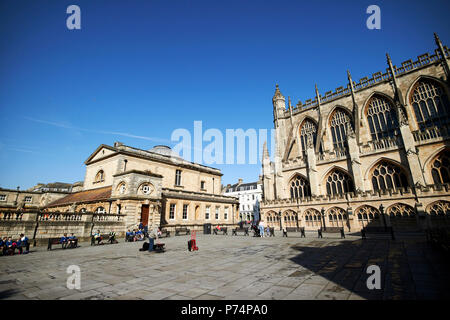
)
(139, 235)
(23, 243)
(72, 241)
(98, 237)
(112, 237)
(64, 241)
(218, 228)
(129, 236)
(10, 246)
(159, 233)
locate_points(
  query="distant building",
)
(249, 195)
(55, 186)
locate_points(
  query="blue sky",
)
(145, 68)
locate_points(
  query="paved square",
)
(233, 267)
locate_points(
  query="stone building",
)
(375, 152)
(155, 187)
(249, 195)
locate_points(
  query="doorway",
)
(144, 214)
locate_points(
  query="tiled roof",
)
(84, 196)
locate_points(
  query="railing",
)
(59, 216)
(108, 217)
(431, 133)
(386, 143)
(337, 154)
(11, 215)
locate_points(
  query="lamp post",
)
(323, 218)
(279, 217)
(382, 214)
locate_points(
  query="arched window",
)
(387, 175)
(312, 217)
(440, 168)
(339, 182)
(100, 176)
(382, 118)
(340, 120)
(367, 214)
(121, 188)
(337, 217)
(300, 187)
(100, 210)
(399, 210)
(430, 103)
(308, 130)
(440, 208)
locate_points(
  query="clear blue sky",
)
(145, 68)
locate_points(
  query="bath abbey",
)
(375, 152)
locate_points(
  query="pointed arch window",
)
(440, 168)
(381, 118)
(339, 182)
(300, 187)
(430, 103)
(387, 175)
(339, 123)
(308, 130)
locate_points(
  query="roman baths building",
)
(123, 187)
(375, 152)
(154, 187)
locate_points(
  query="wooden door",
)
(144, 214)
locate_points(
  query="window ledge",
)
(178, 186)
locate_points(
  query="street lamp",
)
(279, 217)
(323, 218)
(382, 214)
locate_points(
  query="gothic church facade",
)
(376, 152)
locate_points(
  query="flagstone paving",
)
(233, 267)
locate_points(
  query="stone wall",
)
(40, 226)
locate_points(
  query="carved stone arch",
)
(325, 175)
(338, 181)
(437, 166)
(410, 210)
(395, 162)
(293, 133)
(299, 186)
(371, 95)
(426, 77)
(387, 174)
(339, 121)
(440, 207)
(412, 88)
(367, 213)
(119, 186)
(334, 109)
(295, 174)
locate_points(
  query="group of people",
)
(260, 230)
(69, 241)
(99, 239)
(8, 246)
(135, 235)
